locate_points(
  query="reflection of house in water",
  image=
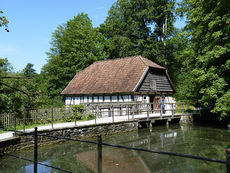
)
(114, 161)
(122, 160)
(168, 138)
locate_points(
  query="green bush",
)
(78, 111)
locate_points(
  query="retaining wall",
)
(21, 141)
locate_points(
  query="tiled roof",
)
(110, 76)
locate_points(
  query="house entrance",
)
(151, 100)
(156, 102)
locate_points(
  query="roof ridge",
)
(138, 56)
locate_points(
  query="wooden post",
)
(52, 117)
(132, 112)
(95, 118)
(228, 160)
(147, 112)
(35, 150)
(97, 111)
(128, 112)
(24, 120)
(15, 123)
(183, 108)
(109, 111)
(99, 152)
(121, 110)
(172, 110)
(112, 114)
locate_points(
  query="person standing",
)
(162, 103)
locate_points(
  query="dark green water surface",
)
(82, 157)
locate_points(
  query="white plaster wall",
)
(169, 99)
(67, 100)
(77, 100)
(145, 99)
(138, 98)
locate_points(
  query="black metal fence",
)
(100, 143)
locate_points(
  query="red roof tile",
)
(110, 76)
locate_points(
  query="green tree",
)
(29, 71)
(17, 91)
(136, 28)
(209, 64)
(3, 21)
(74, 46)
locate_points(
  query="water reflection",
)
(82, 158)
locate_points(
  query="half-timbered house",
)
(131, 79)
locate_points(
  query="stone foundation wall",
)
(188, 119)
(24, 141)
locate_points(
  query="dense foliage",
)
(205, 79)
(135, 27)
(75, 45)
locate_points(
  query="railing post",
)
(112, 114)
(133, 111)
(24, 120)
(161, 110)
(75, 120)
(15, 123)
(228, 160)
(182, 108)
(128, 112)
(99, 151)
(96, 115)
(147, 111)
(172, 110)
(52, 117)
(35, 150)
(120, 110)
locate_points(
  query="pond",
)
(82, 157)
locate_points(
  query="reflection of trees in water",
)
(193, 140)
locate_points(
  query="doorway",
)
(156, 101)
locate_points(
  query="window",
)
(121, 99)
(106, 98)
(153, 84)
(100, 98)
(85, 99)
(114, 98)
(90, 99)
(95, 99)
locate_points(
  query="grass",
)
(45, 123)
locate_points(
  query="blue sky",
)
(33, 21)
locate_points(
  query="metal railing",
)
(100, 143)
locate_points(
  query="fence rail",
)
(100, 143)
(123, 111)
